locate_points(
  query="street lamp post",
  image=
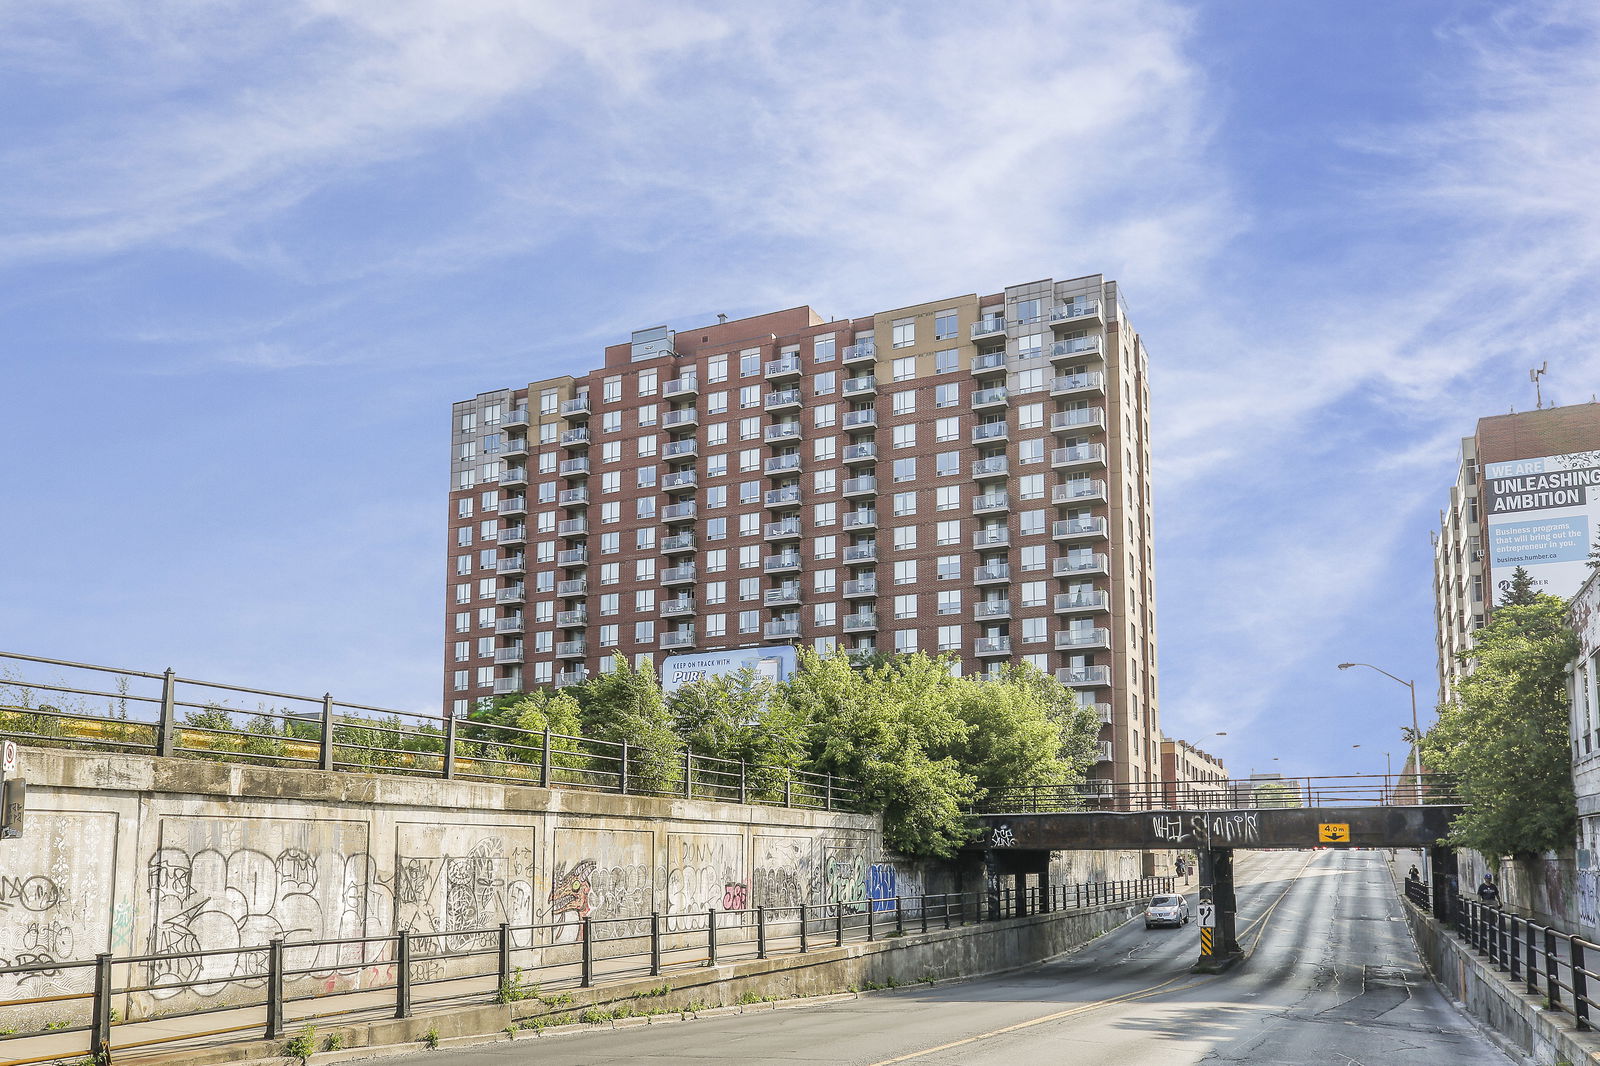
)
(1416, 731)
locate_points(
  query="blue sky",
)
(250, 253)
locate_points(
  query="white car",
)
(1166, 910)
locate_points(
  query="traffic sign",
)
(1208, 915)
(8, 760)
(1333, 832)
(1206, 941)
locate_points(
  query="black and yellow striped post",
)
(1207, 942)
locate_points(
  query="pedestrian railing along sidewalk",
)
(1548, 962)
(1352, 790)
(112, 1005)
(57, 703)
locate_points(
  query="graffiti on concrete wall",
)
(460, 880)
(56, 906)
(705, 871)
(888, 883)
(845, 878)
(785, 870)
(1234, 827)
(600, 874)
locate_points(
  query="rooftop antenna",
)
(1534, 376)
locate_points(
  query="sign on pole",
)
(1208, 915)
(8, 759)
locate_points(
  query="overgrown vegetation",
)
(1506, 734)
(302, 1046)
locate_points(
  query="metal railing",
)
(1354, 790)
(1548, 962)
(100, 708)
(265, 990)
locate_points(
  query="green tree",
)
(743, 719)
(626, 706)
(511, 730)
(1520, 592)
(1505, 736)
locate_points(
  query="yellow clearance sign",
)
(1333, 832)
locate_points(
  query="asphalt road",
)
(1332, 977)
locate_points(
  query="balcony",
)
(1092, 383)
(513, 594)
(994, 501)
(861, 622)
(577, 497)
(686, 416)
(576, 408)
(990, 610)
(513, 565)
(861, 520)
(569, 649)
(862, 386)
(573, 557)
(678, 543)
(860, 453)
(568, 678)
(991, 647)
(679, 481)
(678, 638)
(860, 420)
(862, 352)
(572, 619)
(1084, 675)
(861, 486)
(515, 446)
(787, 367)
(575, 438)
(861, 553)
(514, 505)
(577, 586)
(1079, 565)
(678, 512)
(678, 608)
(1078, 456)
(782, 401)
(574, 467)
(514, 475)
(680, 387)
(1079, 529)
(788, 496)
(787, 529)
(996, 397)
(1083, 602)
(783, 596)
(512, 624)
(781, 563)
(991, 574)
(989, 362)
(990, 431)
(573, 527)
(678, 575)
(1077, 314)
(512, 535)
(1079, 490)
(782, 629)
(681, 449)
(504, 686)
(994, 537)
(989, 326)
(1082, 418)
(1104, 752)
(994, 466)
(511, 653)
(855, 590)
(782, 431)
(1077, 348)
(1101, 711)
(1081, 639)
(519, 417)
(783, 464)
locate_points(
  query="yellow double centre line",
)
(1126, 997)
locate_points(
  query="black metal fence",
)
(1548, 962)
(265, 991)
(1352, 790)
(55, 702)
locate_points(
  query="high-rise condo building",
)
(968, 476)
(1527, 494)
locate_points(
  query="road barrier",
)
(268, 990)
(1548, 962)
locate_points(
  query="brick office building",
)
(969, 476)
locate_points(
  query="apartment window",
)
(716, 560)
(950, 601)
(717, 592)
(947, 497)
(825, 448)
(462, 650)
(647, 445)
(1030, 451)
(647, 415)
(947, 395)
(547, 433)
(750, 459)
(825, 481)
(610, 512)
(905, 402)
(611, 389)
(467, 450)
(644, 538)
(905, 368)
(905, 606)
(749, 428)
(1032, 523)
(644, 601)
(905, 470)
(825, 514)
(1029, 310)
(548, 402)
(716, 496)
(823, 415)
(948, 568)
(944, 325)
(645, 477)
(750, 588)
(717, 465)
(717, 529)
(459, 679)
(1030, 487)
(825, 580)
(463, 621)
(947, 464)
(464, 536)
(824, 614)
(749, 524)
(1031, 416)
(716, 625)
(905, 436)
(749, 362)
(905, 503)
(610, 573)
(464, 507)
(1030, 345)
(1033, 557)
(716, 434)
(750, 396)
(905, 641)
(611, 543)
(749, 621)
(949, 638)
(611, 481)
(717, 403)
(465, 480)
(717, 368)
(947, 532)
(946, 430)
(749, 556)
(905, 572)
(611, 451)
(1028, 381)
(905, 538)
(463, 564)
(824, 384)
(824, 548)
(608, 635)
(1033, 593)
(469, 422)
(822, 348)
(644, 632)
(486, 588)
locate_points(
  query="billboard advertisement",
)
(773, 663)
(1542, 515)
